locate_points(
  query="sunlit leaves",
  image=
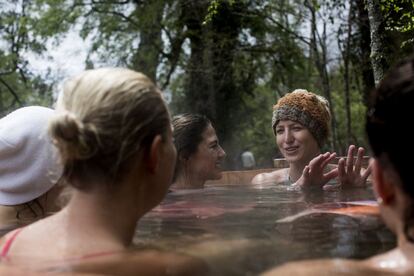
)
(399, 17)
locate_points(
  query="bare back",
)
(42, 247)
(126, 262)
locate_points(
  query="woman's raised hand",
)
(313, 175)
(352, 174)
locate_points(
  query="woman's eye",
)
(279, 131)
(215, 147)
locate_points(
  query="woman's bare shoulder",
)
(12, 270)
(326, 267)
(146, 262)
(277, 176)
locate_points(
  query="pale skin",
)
(205, 164)
(308, 167)
(400, 261)
(103, 220)
(17, 271)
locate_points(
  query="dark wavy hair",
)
(188, 131)
(387, 125)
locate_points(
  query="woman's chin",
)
(292, 158)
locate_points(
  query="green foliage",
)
(18, 84)
(358, 110)
(399, 17)
(255, 129)
(230, 59)
(213, 8)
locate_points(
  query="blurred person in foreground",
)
(113, 133)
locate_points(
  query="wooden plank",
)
(237, 177)
(279, 163)
(245, 177)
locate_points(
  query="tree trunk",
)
(146, 59)
(210, 86)
(346, 75)
(199, 92)
(379, 58)
(364, 60)
(320, 59)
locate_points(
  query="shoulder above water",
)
(275, 177)
(147, 262)
(328, 267)
(132, 262)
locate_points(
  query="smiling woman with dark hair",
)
(113, 132)
(199, 154)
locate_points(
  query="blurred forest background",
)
(230, 60)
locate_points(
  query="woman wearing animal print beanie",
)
(300, 122)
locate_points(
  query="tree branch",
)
(11, 90)
(124, 17)
(288, 31)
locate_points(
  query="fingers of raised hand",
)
(328, 159)
(366, 173)
(303, 181)
(306, 172)
(341, 168)
(350, 159)
(316, 161)
(331, 174)
(358, 162)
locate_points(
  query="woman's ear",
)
(384, 184)
(155, 153)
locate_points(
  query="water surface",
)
(243, 230)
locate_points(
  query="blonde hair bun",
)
(104, 117)
(76, 139)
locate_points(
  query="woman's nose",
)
(289, 136)
(221, 152)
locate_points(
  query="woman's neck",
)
(110, 215)
(187, 180)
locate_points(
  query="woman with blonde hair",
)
(113, 132)
(301, 122)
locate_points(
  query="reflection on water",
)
(235, 228)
